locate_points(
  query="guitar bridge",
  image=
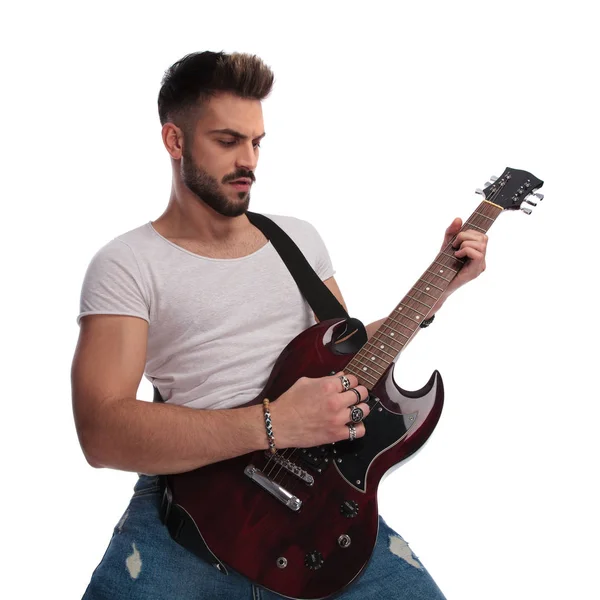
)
(290, 467)
(292, 502)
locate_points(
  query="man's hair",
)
(195, 78)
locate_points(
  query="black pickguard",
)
(353, 458)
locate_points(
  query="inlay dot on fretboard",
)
(417, 317)
(364, 368)
(382, 346)
(372, 358)
(441, 270)
(392, 334)
(427, 289)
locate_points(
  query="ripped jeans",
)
(143, 562)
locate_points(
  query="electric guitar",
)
(303, 522)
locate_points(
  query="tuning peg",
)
(540, 197)
(480, 192)
(487, 184)
(493, 178)
(526, 210)
(530, 202)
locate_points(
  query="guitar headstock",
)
(512, 189)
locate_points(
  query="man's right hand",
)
(316, 411)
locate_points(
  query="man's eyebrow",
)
(236, 134)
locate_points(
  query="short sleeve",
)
(322, 261)
(113, 285)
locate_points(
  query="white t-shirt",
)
(216, 326)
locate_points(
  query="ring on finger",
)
(356, 414)
(345, 382)
(351, 432)
(357, 395)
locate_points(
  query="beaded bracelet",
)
(269, 426)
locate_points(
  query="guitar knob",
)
(349, 509)
(540, 197)
(313, 560)
(526, 210)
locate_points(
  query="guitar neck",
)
(383, 347)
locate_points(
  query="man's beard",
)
(206, 187)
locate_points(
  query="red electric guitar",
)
(303, 523)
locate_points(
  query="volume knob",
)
(313, 560)
(349, 509)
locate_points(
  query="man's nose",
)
(247, 157)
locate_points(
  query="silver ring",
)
(357, 395)
(356, 414)
(351, 432)
(345, 382)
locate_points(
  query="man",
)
(202, 304)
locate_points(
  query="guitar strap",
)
(325, 306)
(320, 298)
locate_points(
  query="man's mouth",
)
(242, 184)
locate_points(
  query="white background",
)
(383, 120)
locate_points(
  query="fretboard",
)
(383, 347)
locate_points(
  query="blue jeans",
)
(143, 562)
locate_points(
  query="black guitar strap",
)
(320, 298)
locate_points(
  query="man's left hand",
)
(470, 245)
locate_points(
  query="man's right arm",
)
(118, 431)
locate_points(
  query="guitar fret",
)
(484, 216)
(426, 294)
(475, 226)
(361, 375)
(420, 302)
(369, 364)
(367, 384)
(403, 325)
(437, 275)
(454, 258)
(391, 345)
(411, 308)
(432, 284)
(391, 338)
(446, 266)
(379, 349)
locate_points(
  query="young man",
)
(202, 304)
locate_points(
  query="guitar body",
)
(318, 537)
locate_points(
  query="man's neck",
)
(195, 221)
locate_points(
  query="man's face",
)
(218, 164)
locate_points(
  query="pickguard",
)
(384, 429)
(352, 459)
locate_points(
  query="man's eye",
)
(225, 143)
(257, 145)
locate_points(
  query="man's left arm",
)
(469, 244)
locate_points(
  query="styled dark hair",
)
(195, 78)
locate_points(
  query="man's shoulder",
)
(125, 244)
(293, 226)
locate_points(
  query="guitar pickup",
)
(317, 458)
